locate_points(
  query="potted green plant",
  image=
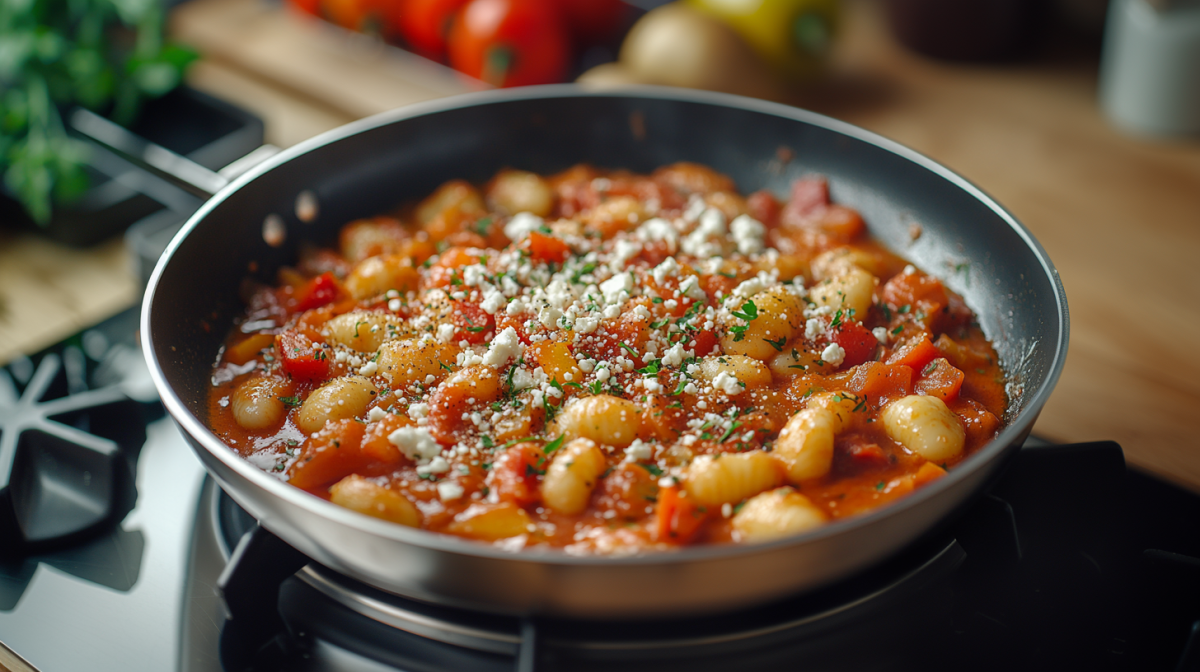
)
(106, 55)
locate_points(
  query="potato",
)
(679, 46)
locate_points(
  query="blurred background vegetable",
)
(106, 55)
(510, 42)
(677, 45)
(793, 37)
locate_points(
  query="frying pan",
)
(372, 165)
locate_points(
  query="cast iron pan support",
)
(66, 453)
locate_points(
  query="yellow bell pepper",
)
(793, 37)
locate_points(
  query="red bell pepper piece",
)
(300, 358)
(320, 291)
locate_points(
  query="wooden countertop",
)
(1119, 215)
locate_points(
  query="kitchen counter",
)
(1119, 215)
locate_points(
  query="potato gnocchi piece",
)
(925, 426)
(796, 359)
(453, 194)
(405, 362)
(781, 512)
(842, 260)
(603, 418)
(750, 372)
(339, 399)
(805, 444)
(375, 275)
(513, 191)
(853, 290)
(572, 475)
(728, 478)
(256, 402)
(358, 494)
(364, 331)
(490, 522)
(780, 314)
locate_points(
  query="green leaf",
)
(654, 469)
(554, 445)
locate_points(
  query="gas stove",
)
(117, 552)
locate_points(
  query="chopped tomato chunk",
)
(857, 341)
(514, 475)
(916, 353)
(677, 517)
(867, 454)
(330, 455)
(940, 379)
(881, 383)
(547, 248)
(474, 324)
(926, 473)
(763, 206)
(906, 289)
(809, 196)
(319, 291)
(375, 444)
(300, 358)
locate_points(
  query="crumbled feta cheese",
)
(638, 450)
(695, 207)
(586, 325)
(748, 233)
(834, 354)
(368, 369)
(727, 384)
(418, 411)
(813, 329)
(880, 333)
(667, 269)
(549, 316)
(445, 333)
(750, 287)
(493, 301)
(505, 347)
(659, 230)
(437, 465)
(522, 379)
(521, 225)
(623, 250)
(614, 287)
(674, 355)
(416, 443)
(474, 274)
(449, 491)
(690, 287)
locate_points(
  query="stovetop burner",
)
(1055, 568)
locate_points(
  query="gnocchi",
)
(572, 476)
(782, 512)
(925, 426)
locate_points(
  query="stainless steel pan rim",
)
(1030, 402)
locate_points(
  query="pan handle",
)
(160, 161)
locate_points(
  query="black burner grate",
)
(72, 419)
